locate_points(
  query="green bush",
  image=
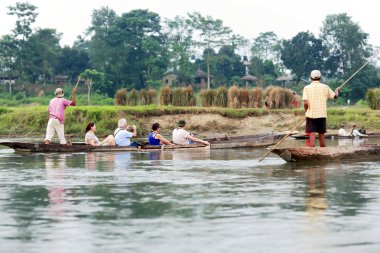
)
(373, 98)
(221, 99)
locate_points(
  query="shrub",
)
(177, 97)
(166, 96)
(233, 97)
(188, 96)
(373, 98)
(133, 97)
(143, 97)
(279, 97)
(256, 97)
(207, 97)
(221, 97)
(151, 97)
(243, 96)
(121, 97)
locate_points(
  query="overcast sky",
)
(245, 17)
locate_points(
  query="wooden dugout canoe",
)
(248, 141)
(307, 154)
(81, 147)
(335, 136)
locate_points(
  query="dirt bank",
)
(208, 125)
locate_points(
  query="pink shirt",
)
(57, 108)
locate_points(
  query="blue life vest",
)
(152, 140)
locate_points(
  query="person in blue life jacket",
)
(123, 136)
(155, 138)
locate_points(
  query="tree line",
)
(135, 49)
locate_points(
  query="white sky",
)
(245, 17)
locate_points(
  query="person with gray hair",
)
(122, 135)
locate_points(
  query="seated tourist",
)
(155, 138)
(342, 131)
(183, 137)
(362, 130)
(355, 132)
(123, 136)
(92, 140)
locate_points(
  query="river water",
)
(217, 201)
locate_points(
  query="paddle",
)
(286, 136)
(278, 143)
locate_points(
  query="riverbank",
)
(205, 121)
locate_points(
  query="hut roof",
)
(200, 73)
(249, 78)
(284, 78)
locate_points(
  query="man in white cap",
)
(315, 96)
(56, 111)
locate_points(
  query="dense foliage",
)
(136, 49)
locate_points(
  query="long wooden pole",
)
(278, 143)
(76, 85)
(286, 136)
(77, 82)
(343, 84)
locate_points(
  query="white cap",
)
(58, 92)
(315, 74)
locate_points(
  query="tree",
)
(180, 46)
(43, 50)
(143, 39)
(346, 41)
(7, 58)
(302, 54)
(92, 76)
(72, 62)
(103, 42)
(211, 34)
(228, 64)
(26, 15)
(264, 46)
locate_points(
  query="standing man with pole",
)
(315, 96)
(56, 109)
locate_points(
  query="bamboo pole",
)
(278, 143)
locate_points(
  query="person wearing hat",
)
(56, 109)
(355, 132)
(315, 96)
(342, 131)
(183, 137)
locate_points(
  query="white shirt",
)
(122, 137)
(342, 132)
(180, 136)
(355, 132)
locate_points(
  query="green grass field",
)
(32, 120)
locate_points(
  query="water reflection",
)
(55, 169)
(352, 142)
(104, 198)
(316, 202)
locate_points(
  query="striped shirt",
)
(317, 95)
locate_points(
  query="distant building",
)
(6, 79)
(60, 79)
(201, 79)
(169, 79)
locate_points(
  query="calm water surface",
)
(218, 201)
